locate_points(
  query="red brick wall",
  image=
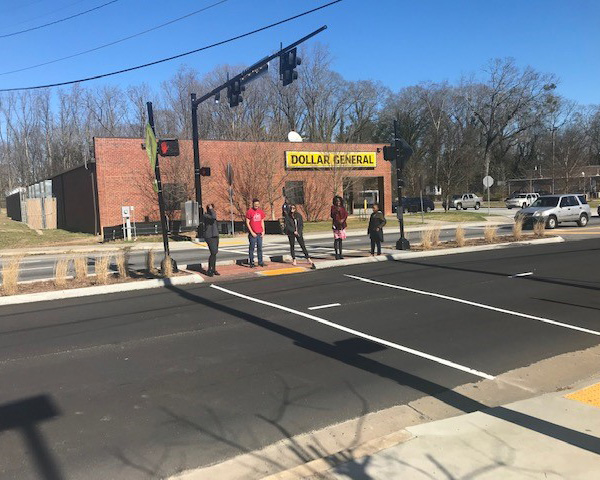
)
(124, 173)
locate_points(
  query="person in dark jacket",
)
(294, 227)
(375, 229)
(339, 215)
(211, 236)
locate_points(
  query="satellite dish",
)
(294, 137)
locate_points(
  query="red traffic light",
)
(168, 148)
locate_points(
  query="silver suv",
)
(464, 201)
(521, 200)
(555, 209)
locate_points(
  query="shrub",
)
(435, 236)
(61, 269)
(10, 275)
(539, 228)
(150, 262)
(518, 229)
(81, 268)
(121, 262)
(102, 268)
(167, 267)
(427, 239)
(460, 237)
(490, 233)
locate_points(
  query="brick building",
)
(310, 173)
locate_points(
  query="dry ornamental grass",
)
(459, 236)
(81, 268)
(167, 267)
(518, 230)
(10, 275)
(150, 262)
(539, 228)
(427, 239)
(60, 272)
(435, 236)
(490, 233)
(121, 263)
(101, 267)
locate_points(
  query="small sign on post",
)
(488, 182)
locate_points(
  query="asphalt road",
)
(42, 266)
(143, 384)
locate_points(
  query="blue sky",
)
(397, 42)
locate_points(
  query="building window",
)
(294, 192)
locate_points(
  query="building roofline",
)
(251, 141)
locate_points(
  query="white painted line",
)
(526, 274)
(351, 331)
(319, 307)
(480, 305)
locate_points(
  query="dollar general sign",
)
(306, 160)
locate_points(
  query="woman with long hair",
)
(339, 215)
(294, 227)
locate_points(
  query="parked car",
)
(413, 204)
(556, 209)
(521, 200)
(464, 201)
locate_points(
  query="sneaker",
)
(252, 265)
(210, 273)
(313, 266)
(216, 273)
(261, 264)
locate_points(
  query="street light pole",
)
(197, 182)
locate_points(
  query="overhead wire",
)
(46, 14)
(156, 62)
(116, 41)
(6, 35)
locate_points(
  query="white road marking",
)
(319, 307)
(526, 274)
(351, 331)
(480, 305)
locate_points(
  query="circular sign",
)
(488, 181)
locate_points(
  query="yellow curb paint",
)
(589, 395)
(282, 271)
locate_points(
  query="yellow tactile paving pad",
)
(589, 395)
(282, 271)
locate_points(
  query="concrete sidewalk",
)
(546, 437)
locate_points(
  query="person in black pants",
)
(211, 236)
(375, 229)
(294, 226)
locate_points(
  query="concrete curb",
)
(99, 290)
(433, 253)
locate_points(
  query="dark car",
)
(413, 204)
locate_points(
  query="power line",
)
(116, 41)
(223, 42)
(48, 13)
(57, 21)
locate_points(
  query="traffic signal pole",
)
(402, 243)
(161, 200)
(237, 82)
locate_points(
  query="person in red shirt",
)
(339, 215)
(255, 222)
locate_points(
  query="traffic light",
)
(389, 153)
(168, 148)
(205, 171)
(234, 93)
(288, 61)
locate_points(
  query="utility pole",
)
(288, 61)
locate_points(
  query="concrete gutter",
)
(100, 290)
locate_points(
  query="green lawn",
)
(19, 235)
(451, 216)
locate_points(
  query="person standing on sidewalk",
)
(211, 236)
(339, 215)
(375, 229)
(294, 226)
(255, 222)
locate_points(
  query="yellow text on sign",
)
(299, 160)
